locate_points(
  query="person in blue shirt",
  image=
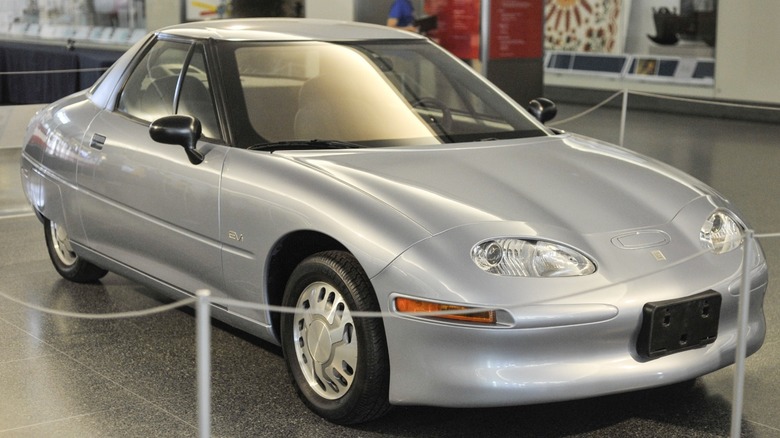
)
(402, 15)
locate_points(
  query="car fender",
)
(50, 159)
(267, 197)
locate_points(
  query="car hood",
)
(570, 182)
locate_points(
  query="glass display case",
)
(665, 46)
(117, 22)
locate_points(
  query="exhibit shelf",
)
(673, 75)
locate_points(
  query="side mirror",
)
(184, 131)
(543, 109)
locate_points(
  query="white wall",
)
(161, 13)
(747, 63)
(331, 9)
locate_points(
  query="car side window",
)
(196, 98)
(171, 79)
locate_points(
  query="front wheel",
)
(338, 362)
(67, 263)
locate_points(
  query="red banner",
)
(516, 27)
(458, 26)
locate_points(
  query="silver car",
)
(337, 169)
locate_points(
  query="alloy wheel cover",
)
(62, 247)
(324, 337)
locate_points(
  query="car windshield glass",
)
(373, 94)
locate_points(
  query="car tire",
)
(67, 263)
(344, 380)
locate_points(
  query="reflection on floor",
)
(12, 201)
(83, 378)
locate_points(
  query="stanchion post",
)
(203, 328)
(484, 36)
(623, 111)
(742, 328)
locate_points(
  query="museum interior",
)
(679, 81)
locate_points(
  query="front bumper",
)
(577, 345)
(465, 367)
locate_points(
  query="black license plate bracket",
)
(677, 325)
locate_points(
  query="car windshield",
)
(369, 94)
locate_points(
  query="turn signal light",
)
(444, 311)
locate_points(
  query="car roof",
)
(286, 29)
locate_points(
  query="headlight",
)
(524, 258)
(721, 233)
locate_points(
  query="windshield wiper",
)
(303, 145)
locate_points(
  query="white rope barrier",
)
(623, 113)
(203, 301)
(702, 101)
(626, 92)
(588, 111)
(118, 315)
(40, 72)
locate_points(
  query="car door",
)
(145, 205)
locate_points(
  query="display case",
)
(52, 48)
(94, 22)
(661, 46)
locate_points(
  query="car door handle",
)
(97, 142)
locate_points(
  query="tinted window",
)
(374, 94)
(171, 79)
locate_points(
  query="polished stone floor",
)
(65, 377)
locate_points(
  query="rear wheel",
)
(338, 362)
(67, 263)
